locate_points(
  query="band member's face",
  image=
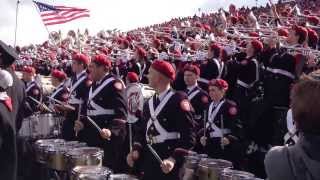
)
(27, 76)
(76, 67)
(153, 78)
(249, 49)
(292, 38)
(96, 71)
(55, 82)
(215, 93)
(190, 78)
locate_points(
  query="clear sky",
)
(105, 14)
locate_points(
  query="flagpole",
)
(16, 26)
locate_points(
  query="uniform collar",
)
(29, 83)
(80, 74)
(103, 78)
(162, 95)
(191, 88)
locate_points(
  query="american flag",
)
(52, 15)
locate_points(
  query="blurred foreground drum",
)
(211, 169)
(90, 173)
(122, 177)
(41, 145)
(41, 126)
(229, 174)
(84, 156)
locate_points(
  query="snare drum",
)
(211, 169)
(229, 174)
(49, 125)
(84, 156)
(122, 177)
(41, 126)
(55, 154)
(90, 173)
(41, 145)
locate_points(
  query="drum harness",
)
(98, 110)
(217, 132)
(163, 133)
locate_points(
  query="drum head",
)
(100, 170)
(85, 150)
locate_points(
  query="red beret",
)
(215, 47)
(207, 27)
(29, 69)
(314, 20)
(164, 68)
(192, 68)
(253, 34)
(102, 59)
(177, 53)
(81, 58)
(233, 19)
(257, 45)
(283, 32)
(300, 31)
(312, 35)
(220, 83)
(125, 42)
(132, 77)
(156, 42)
(58, 74)
(141, 52)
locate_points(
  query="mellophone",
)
(74, 158)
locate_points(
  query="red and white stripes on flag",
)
(52, 15)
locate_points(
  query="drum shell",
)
(90, 173)
(229, 174)
(56, 158)
(40, 147)
(83, 158)
(210, 169)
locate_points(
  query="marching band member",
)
(8, 147)
(60, 92)
(212, 68)
(221, 136)
(106, 106)
(168, 125)
(197, 96)
(78, 94)
(248, 75)
(32, 90)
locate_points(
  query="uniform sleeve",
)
(184, 122)
(233, 122)
(118, 125)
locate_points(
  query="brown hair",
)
(305, 105)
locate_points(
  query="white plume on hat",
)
(6, 79)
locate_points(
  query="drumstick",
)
(222, 127)
(155, 154)
(95, 125)
(130, 137)
(79, 113)
(62, 103)
(42, 104)
(204, 122)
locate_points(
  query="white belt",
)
(218, 134)
(75, 101)
(280, 71)
(243, 84)
(162, 138)
(100, 112)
